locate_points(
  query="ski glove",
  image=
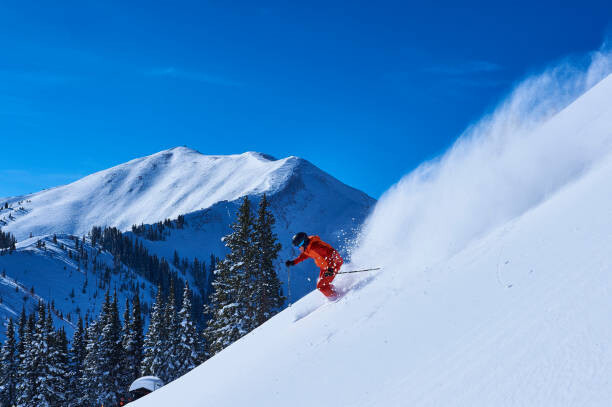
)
(289, 263)
(329, 272)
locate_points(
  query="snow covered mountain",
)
(496, 286)
(180, 181)
(171, 183)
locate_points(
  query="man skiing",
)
(324, 256)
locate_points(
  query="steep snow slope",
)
(165, 185)
(513, 309)
(522, 317)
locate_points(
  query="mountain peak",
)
(176, 150)
(164, 185)
(184, 150)
(260, 156)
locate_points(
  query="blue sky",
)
(364, 90)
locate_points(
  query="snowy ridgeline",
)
(513, 310)
(181, 181)
(204, 191)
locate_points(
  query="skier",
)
(324, 256)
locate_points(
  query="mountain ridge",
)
(180, 179)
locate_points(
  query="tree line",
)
(39, 368)
(7, 241)
(133, 254)
(157, 231)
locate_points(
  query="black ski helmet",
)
(299, 239)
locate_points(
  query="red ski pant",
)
(324, 283)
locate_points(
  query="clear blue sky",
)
(364, 90)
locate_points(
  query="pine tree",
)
(40, 365)
(132, 342)
(111, 355)
(59, 368)
(77, 360)
(267, 296)
(171, 341)
(102, 367)
(21, 327)
(135, 341)
(90, 374)
(210, 277)
(7, 240)
(125, 379)
(25, 372)
(8, 368)
(175, 259)
(154, 342)
(187, 352)
(233, 283)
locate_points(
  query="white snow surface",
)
(509, 305)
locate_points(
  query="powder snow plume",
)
(507, 163)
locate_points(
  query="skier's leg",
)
(327, 289)
(324, 285)
(336, 263)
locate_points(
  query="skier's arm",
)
(300, 258)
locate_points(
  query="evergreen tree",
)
(267, 297)
(232, 285)
(77, 360)
(25, 372)
(8, 368)
(89, 376)
(21, 328)
(210, 277)
(7, 240)
(40, 366)
(102, 367)
(59, 369)
(111, 355)
(135, 341)
(154, 342)
(187, 349)
(171, 340)
(176, 259)
(132, 342)
(126, 379)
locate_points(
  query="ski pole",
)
(289, 285)
(358, 271)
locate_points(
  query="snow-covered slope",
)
(514, 308)
(59, 274)
(520, 318)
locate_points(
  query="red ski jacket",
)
(323, 254)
